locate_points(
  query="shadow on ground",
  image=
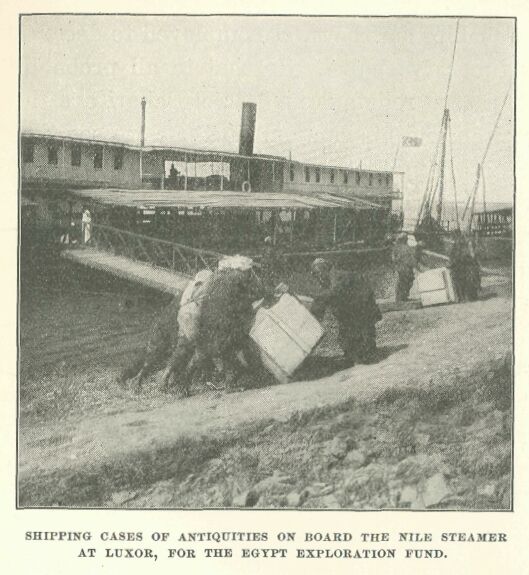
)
(317, 367)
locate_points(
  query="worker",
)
(223, 324)
(188, 321)
(473, 283)
(464, 267)
(270, 268)
(162, 340)
(353, 304)
(404, 258)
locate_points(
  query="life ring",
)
(246, 186)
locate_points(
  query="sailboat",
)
(430, 227)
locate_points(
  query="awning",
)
(222, 199)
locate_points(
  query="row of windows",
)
(28, 153)
(345, 174)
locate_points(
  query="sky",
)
(328, 90)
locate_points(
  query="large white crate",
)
(436, 287)
(285, 334)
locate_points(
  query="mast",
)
(425, 216)
(446, 119)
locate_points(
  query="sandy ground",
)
(75, 422)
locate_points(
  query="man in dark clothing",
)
(465, 269)
(353, 304)
(270, 268)
(404, 258)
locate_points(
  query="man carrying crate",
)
(353, 304)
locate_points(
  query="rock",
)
(330, 502)
(408, 495)
(487, 490)
(355, 458)
(337, 448)
(326, 490)
(246, 499)
(162, 494)
(122, 497)
(293, 499)
(422, 439)
(435, 490)
(273, 484)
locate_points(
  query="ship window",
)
(53, 156)
(76, 155)
(380, 179)
(332, 176)
(370, 179)
(318, 174)
(307, 174)
(118, 159)
(28, 151)
(291, 173)
(98, 158)
(387, 180)
(345, 178)
(358, 178)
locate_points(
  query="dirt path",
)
(419, 345)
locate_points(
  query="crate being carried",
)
(436, 287)
(285, 335)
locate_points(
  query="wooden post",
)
(185, 175)
(292, 220)
(335, 228)
(274, 222)
(222, 173)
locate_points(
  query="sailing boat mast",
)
(425, 219)
(446, 119)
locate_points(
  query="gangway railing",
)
(154, 251)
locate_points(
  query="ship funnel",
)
(247, 128)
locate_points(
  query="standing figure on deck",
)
(404, 258)
(352, 302)
(86, 225)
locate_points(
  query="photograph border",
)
(514, 18)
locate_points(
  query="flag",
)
(409, 142)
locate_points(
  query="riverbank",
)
(114, 448)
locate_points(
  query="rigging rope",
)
(472, 196)
(451, 65)
(495, 126)
(484, 191)
(453, 174)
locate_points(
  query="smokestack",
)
(247, 128)
(143, 104)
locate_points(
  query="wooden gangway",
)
(152, 262)
(165, 280)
